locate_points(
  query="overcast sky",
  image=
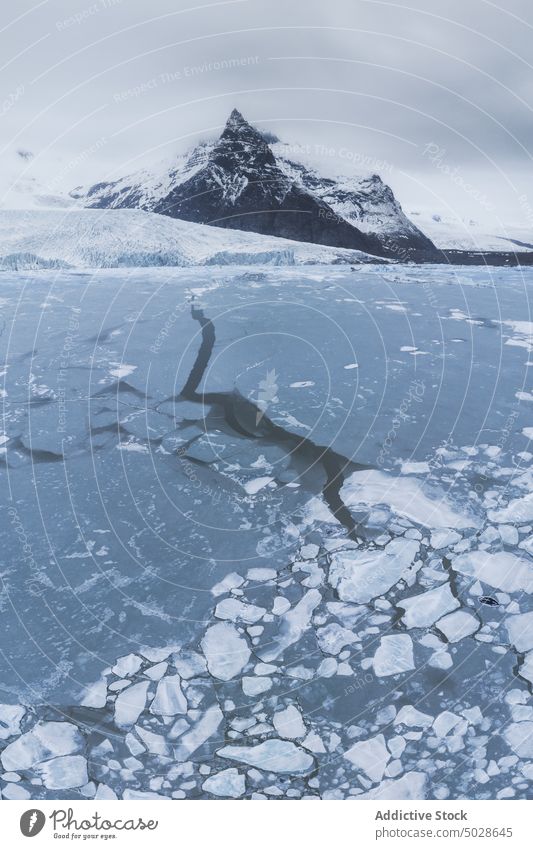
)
(435, 94)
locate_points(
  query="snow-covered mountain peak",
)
(236, 122)
(249, 180)
(241, 147)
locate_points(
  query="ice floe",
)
(279, 756)
(406, 497)
(412, 785)
(229, 783)
(45, 741)
(201, 731)
(458, 625)
(169, 699)
(10, 718)
(503, 570)
(362, 575)
(289, 723)
(237, 611)
(424, 609)
(394, 655)
(292, 625)
(226, 652)
(371, 756)
(130, 703)
(63, 773)
(520, 630)
(519, 736)
(517, 511)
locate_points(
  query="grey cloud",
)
(117, 83)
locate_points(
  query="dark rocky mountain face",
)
(242, 186)
(243, 182)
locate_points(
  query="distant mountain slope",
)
(365, 201)
(23, 185)
(243, 182)
(129, 237)
(145, 188)
(453, 233)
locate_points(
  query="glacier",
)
(40, 239)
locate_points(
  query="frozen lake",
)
(363, 435)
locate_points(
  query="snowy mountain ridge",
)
(247, 181)
(251, 181)
(453, 233)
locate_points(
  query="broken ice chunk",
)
(503, 570)
(199, 733)
(156, 672)
(371, 756)
(424, 609)
(279, 756)
(237, 611)
(458, 625)
(394, 655)
(95, 695)
(14, 792)
(254, 486)
(289, 723)
(396, 746)
(520, 629)
(309, 551)
(226, 652)
(260, 573)
(175, 440)
(444, 538)
(45, 740)
(211, 446)
(64, 772)
(265, 669)
(127, 665)
(281, 605)
(132, 795)
(229, 782)
(518, 510)
(189, 664)
(333, 638)
(130, 704)
(509, 534)
(412, 717)
(155, 743)
(405, 496)
(10, 719)
(228, 583)
(526, 668)
(446, 722)
(292, 625)
(255, 686)
(361, 576)
(519, 736)
(412, 785)
(314, 743)
(169, 699)
(133, 744)
(105, 792)
(441, 660)
(327, 668)
(146, 424)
